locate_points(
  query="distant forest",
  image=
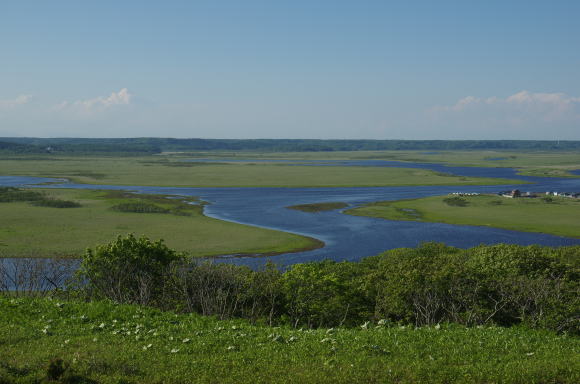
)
(149, 145)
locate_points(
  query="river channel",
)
(350, 237)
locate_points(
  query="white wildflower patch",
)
(174, 350)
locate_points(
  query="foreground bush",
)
(501, 284)
(128, 270)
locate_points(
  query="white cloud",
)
(10, 104)
(546, 106)
(123, 97)
(522, 115)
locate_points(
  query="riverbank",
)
(556, 216)
(44, 231)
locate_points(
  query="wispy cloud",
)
(523, 115)
(13, 103)
(123, 97)
(523, 106)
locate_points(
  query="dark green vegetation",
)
(553, 215)
(503, 284)
(318, 207)
(157, 145)
(430, 314)
(42, 231)
(36, 198)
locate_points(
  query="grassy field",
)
(161, 171)
(107, 343)
(559, 217)
(36, 231)
(537, 163)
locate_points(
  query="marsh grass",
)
(318, 207)
(37, 231)
(168, 171)
(553, 215)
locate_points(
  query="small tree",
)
(127, 270)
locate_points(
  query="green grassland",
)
(108, 343)
(559, 217)
(531, 163)
(37, 231)
(162, 171)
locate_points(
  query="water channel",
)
(350, 237)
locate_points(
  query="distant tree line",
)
(433, 283)
(157, 145)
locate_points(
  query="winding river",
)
(351, 237)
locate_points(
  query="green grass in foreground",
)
(560, 217)
(318, 207)
(36, 231)
(111, 343)
(159, 171)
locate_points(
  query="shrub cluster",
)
(500, 284)
(11, 194)
(456, 201)
(55, 203)
(139, 207)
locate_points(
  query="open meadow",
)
(554, 215)
(161, 171)
(111, 343)
(43, 231)
(531, 163)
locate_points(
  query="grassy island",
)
(318, 207)
(43, 231)
(171, 172)
(556, 215)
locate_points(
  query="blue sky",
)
(291, 69)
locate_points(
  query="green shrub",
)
(11, 194)
(139, 207)
(55, 203)
(127, 270)
(456, 201)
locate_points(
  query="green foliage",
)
(502, 284)
(428, 285)
(139, 207)
(127, 270)
(56, 203)
(11, 194)
(324, 294)
(319, 207)
(456, 201)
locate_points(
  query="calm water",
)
(349, 237)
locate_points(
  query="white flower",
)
(185, 340)
(174, 350)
